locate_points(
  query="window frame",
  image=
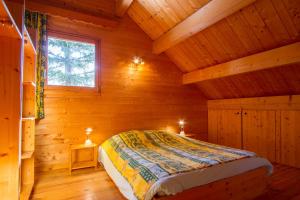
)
(76, 38)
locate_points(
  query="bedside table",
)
(77, 162)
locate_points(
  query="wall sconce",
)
(135, 64)
(88, 132)
(181, 125)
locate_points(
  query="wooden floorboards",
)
(96, 185)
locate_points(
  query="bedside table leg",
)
(70, 162)
(95, 157)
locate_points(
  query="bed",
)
(160, 165)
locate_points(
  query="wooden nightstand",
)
(82, 156)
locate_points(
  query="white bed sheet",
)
(183, 181)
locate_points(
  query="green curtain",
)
(39, 22)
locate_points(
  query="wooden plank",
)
(26, 191)
(102, 21)
(259, 132)
(278, 136)
(229, 128)
(247, 185)
(28, 99)
(10, 112)
(26, 154)
(290, 138)
(285, 55)
(28, 44)
(27, 180)
(28, 134)
(8, 24)
(122, 6)
(259, 103)
(206, 16)
(213, 125)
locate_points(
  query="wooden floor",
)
(96, 185)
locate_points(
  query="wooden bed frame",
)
(240, 187)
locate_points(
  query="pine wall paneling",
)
(152, 98)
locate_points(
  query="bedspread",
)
(144, 157)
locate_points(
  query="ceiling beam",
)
(122, 6)
(54, 10)
(206, 16)
(285, 55)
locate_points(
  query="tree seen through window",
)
(71, 63)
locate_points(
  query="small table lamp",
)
(181, 125)
(88, 132)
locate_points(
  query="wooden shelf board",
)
(82, 146)
(28, 118)
(29, 47)
(27, 154)
(31, 83)
(83, 164)
(26, 191)
(10, 28)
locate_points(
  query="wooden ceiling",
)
(261, 26)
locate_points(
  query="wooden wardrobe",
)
(268, 126)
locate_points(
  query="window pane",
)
(71, 63)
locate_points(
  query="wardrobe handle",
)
(245, 113)
(237, 113)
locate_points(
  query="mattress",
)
(179, 182)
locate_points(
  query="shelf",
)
(83, 164)
(26, 191)
(29, 83)
(29, 47)
(28, 133)
(26, 154)
(8, 27)
(28, 118)
(82, 146)
(28, 99)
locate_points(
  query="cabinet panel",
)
(224, 127)
(259, 132)
(229, 128)
(290, 138)
(213, 120)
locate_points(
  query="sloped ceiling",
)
(264, 25)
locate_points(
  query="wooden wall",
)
(152, 98)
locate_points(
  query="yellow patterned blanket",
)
(144, 157)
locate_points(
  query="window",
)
(72, 61)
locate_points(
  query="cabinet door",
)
(229, 128)
(213, 120)
(259, 132)
(290, 138)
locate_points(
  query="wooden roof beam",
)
(54, 10)
(285, 55)
(122, 6)
(206, 16)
